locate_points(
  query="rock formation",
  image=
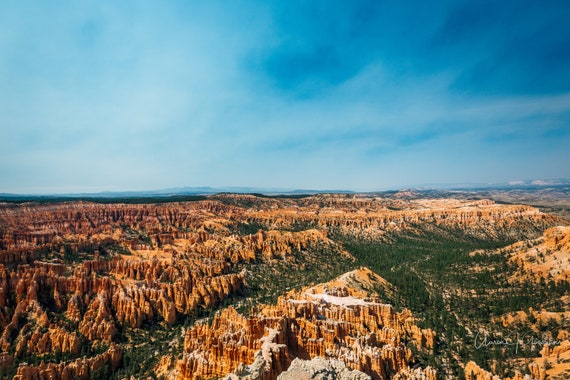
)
(26, 228)
(474, 372)
(78, 274)
(98, 366)
(320, 369)
(329, 320)
(547, 257)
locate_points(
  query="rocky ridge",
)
(337, 320)
(547, 257)
(26, 228)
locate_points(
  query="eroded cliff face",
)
(98, 366)
(474, 372)
(377, 220)
(74, 276)
(25, 228)
(46, 310)
(339, 320)
(547, 257)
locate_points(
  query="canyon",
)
(236, 285)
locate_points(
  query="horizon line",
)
(213, 190)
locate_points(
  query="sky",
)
(360, 95)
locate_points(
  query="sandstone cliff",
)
(99, 366)
(474, 372)
(329, 320)
(26, 228)
(546, 257)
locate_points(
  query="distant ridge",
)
(203, 191)
(179, 192)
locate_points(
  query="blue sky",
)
(363, 95)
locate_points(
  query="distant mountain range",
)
(206, 190)
(178, 191)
